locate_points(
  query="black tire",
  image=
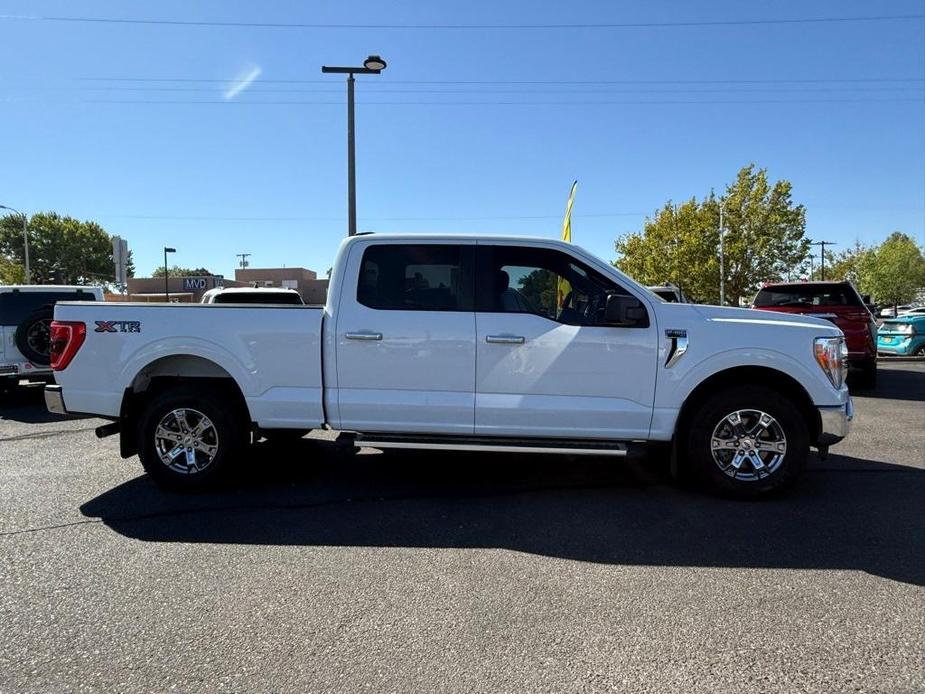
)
(919, 352)
(866, 377)
(33, 336)
(230, 438)
(747, 481)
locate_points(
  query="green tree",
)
(764, 240)
(846, 264)
(11, 272)
(894, 272)
(81, 251)
(176, 271)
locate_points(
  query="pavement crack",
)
(40, 528)
(46, 434)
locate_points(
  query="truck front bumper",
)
(54, 400)
(835, 422)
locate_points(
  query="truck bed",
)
(273, 353)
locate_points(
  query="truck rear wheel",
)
(747, 441)
(188, 437)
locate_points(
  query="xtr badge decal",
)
(118, 326)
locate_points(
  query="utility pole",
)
(244, 257)
(822, 245)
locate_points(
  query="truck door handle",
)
(364, 336)
(504, 339)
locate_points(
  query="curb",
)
(886, 360)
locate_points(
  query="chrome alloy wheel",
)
(186, 441)
(748, 445)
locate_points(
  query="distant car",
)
(892, 312)
(917, 311)
(670, 293)
(902, 336)
(25, 320)
(838, 302)
(252, 295)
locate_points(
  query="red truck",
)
(838, 302)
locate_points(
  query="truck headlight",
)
(832, 357)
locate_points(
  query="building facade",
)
(303, 280)
(179, 289)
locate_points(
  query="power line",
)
(531, 82)
(599, 90)
(571, 102)
(463, 27)
(206, 218)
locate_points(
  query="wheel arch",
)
(751, 375)
(171, 371)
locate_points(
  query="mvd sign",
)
(194, 283)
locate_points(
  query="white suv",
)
(25, 318)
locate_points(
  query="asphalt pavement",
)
(317, 570)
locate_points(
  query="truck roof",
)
(436, 236)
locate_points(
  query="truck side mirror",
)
(626, 311)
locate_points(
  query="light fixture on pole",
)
(166, 273)
(373, 65)
(25, 238)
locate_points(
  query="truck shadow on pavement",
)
(847, 514)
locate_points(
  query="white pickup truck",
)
(454, 342)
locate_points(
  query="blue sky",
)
(236, 175)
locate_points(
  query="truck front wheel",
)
(747, 441)
(188, 436)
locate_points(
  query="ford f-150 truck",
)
(453, 342)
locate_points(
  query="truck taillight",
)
(66, 339)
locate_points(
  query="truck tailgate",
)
(273, 353)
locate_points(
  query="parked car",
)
(917, 311)
(893, 311)
(252, 295)
(838, 302)
(670, 293)
(444, 342)
(902, 336)
(25, 320)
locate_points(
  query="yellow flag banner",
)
(563, 288)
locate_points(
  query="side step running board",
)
(493, 445)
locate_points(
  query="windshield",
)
(807, 295)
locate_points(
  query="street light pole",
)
(25, 239)
(722, 257)
(166, 272)
(373, 65)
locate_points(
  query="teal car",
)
(903, 336)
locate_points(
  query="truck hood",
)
(748, 318)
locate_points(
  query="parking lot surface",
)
(316, 570)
